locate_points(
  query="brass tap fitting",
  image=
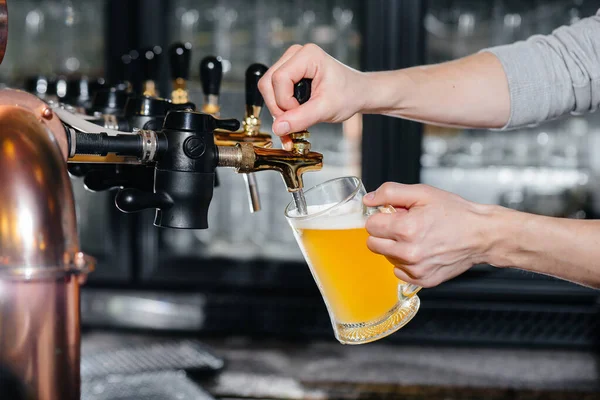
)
(246, 158)
(250, 132)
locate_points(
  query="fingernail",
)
(282, 128)
(370, 196)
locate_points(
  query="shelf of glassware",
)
(54, 37)
(550, 169)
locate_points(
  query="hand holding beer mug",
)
(364, 298)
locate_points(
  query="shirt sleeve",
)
(553, 75)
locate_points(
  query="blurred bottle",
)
(514, 20)
(347, 39)
(36, 58)
(232, 36)
(457, 28)
(90, 38)
(191, 22)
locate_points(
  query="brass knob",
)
(300, 143)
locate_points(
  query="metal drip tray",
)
(160, 356)
(148, 386)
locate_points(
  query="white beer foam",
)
(348, 216)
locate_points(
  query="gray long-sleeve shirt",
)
(553, 75)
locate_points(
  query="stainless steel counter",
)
(274, 369)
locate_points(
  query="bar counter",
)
(290, 370)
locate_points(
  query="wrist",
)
(503, 236)
(383, 92)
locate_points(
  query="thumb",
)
(396, 195)
(299, 118)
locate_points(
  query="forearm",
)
(510, 86)
(469, 92)
(564, 248)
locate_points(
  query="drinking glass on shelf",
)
(365, 300)
(457, 28)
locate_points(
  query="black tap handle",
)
(135, 200)
(253, 75)
(211, 74)
(151, 58)
(302, 90)
(106, 176)
(197, 122)
(227, 124)
(179, 57)
(79, 170)
(130, 62)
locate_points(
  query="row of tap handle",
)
(179, 148)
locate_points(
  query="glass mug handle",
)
(405, 290)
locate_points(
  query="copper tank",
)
(41, 266)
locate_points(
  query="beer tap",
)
(108, 171)
(108, 103)
(121, 110)
(250, 132)
(247, 158)
(182, 154)
(81, 91)
(179, 57)
(130, 63)
(211, 74)
(184, 159)
(151, 59)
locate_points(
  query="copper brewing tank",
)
(41, 266)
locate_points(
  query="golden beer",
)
(364, 298)
(358, 284)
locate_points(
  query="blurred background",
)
(245, 274)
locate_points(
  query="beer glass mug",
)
(364, 298)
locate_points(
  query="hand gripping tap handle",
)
(303, 90)
(246, 157)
